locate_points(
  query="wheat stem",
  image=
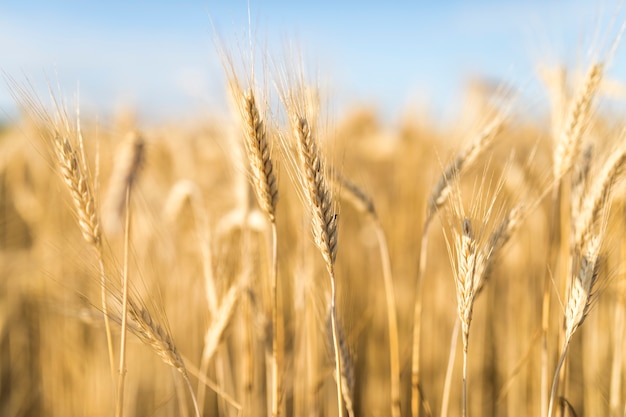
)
(447, 386)
(555, 380)
(122, 368)
(275, 326)
(365, 204)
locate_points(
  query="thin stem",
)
(275, 364)
(545, 309)
(193, 397)
(417, 326)
(447, 386)
(122, 369)
(464, 392)
(105, 312)
(392, 321)
(616, 369)
(555, 380)
(333, 319)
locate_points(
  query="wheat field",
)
(280, 262)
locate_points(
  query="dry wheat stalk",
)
(125, 175)
(61, 138)
(364, 203)
(265, 186)
(438, 197)
(486, 251)
(266, 189)
(347, 370)
(575, 122)
(465, 258)
(311, 171)
(580, 300)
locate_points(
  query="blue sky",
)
(160, 57)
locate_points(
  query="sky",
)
(160, 58)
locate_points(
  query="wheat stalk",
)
(465, 281)
(324, 221)
(438, 197)
(61, 138)
(365, 204)
(579, 303)
(127, 171)
(265, 185)
(575, 120)
(347, 370)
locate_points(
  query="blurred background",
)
(160, 57)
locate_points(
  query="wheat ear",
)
(363, 202)
(265, 185)
(576, 120)
(324, 221)
(76, 178)
(60, 138)
(259, 153)
(347, 371)
(438, 197)
(142, 324)
(485, 257)
(465, 245)
(566, 152)
(579, 302)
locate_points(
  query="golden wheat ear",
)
(576, 121)
(64, 140)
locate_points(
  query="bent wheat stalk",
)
(364, 203)
(324, 221)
